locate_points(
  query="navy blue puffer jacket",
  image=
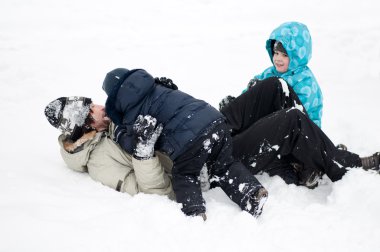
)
(133, 92)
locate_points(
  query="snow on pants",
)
(276, 140)
(267, 96)
(213, 149)
(272, 133)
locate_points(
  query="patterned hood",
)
(296, 39)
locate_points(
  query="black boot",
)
(243, 188)
(307, 176)
(256, 202)
(371, 162)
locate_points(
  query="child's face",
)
(280, 61)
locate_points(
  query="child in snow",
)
(271, 133)
(194, 134)
(289, 48)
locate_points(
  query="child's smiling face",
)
(281, 61)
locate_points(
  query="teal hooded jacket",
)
(296, 39)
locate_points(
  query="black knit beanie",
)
(69, 115)
(113, 79)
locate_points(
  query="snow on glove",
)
(166, 82)
(251, 83)
(256, 202)
(146, 134)
(225, 101)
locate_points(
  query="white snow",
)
(275, 147)
(339, 165)
(299, 107)
(242, 186)
(215, 137)
(206, 145)
(285, 87)
(210, 49)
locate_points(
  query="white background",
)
(50, 49)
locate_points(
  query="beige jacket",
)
(105, 162)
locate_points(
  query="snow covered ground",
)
(210, 49)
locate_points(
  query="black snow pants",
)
(271, 132)
(213, 149)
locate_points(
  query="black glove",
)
(166, 82)
(256, 202)
(225, 101)
(146, 134)
(251, 83)
(119, 131)
(341, 147)
(123, 135)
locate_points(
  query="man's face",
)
(100, 121)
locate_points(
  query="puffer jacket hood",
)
(113, 79)
(116, 79)
(296, 39)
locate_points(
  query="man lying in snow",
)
(87, 146)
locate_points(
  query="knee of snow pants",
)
(266, 97)
(188, 192)
(187, 167)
